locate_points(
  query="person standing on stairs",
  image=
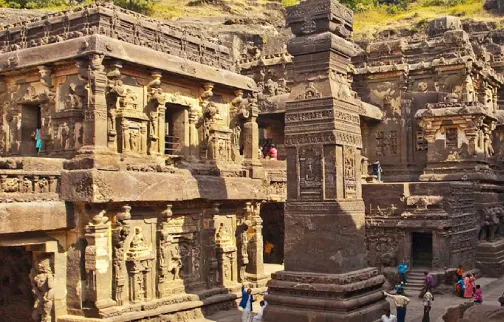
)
(402, 268)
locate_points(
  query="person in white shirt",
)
(258, 317)
(388, 317)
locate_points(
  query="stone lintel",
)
(21, 217)
(130, 186)
(83, 46)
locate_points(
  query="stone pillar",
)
(95, 114)
(226, 256)
(211, 263)
(98, 263)
(120, 232)
(193, 134)
(326, 275)
(255, 267)
(251, 131)
(169, 259)
(156, 115)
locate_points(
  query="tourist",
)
(272, 152)
(400, 289)
(258, 317)
(478, 296)
(460, 287)
(246, 304)
(388, 317)
(268, 247)
(427, 302)
(469, 286)
(402, 271)
(459, 273)
(400, 302)
(428, 284)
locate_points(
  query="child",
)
(460, 288)
(400, 289)
(478, 296)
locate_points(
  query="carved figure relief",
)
(139, 263)
(310, 92)
(310, 166)
(119, 237)
(350, 171)
(75, 96)
(42, 279)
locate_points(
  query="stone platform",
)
(490, 258)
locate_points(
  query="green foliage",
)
(142, 6)
(34, 4)
(441, 3)
(288, 3)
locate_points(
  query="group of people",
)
(401, 300)
(466, 286)
(246, 305)
(268, 151)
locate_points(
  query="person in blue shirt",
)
(246, 304)
(460, 288)
(402, 268)
(400, 289)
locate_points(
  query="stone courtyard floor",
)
(492, 290)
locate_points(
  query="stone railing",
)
(115, 22)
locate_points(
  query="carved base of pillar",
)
(172, 288)
(103, 304)
(94, 158)
(301, 297)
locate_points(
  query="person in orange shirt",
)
(459, 272)
(268, 247)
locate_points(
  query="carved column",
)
(46, 108)
(120, 232)
(251, 131)
(193, 133)
(169, 259)
(226, 256)
(156, 115)
(326, 264)
(98, 260)
(255, 247)
(95, 113)
(115, 90)
(211, 263)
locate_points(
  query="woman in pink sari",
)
(469, 286)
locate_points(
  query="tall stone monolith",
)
(326, 275)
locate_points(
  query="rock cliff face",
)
(10, 16)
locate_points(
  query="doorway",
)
(175, 122)
(31, 121)
(421, 249)
(16, 298)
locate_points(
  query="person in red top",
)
(478, 296)
(272, 152)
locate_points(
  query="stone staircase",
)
(415, 283)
